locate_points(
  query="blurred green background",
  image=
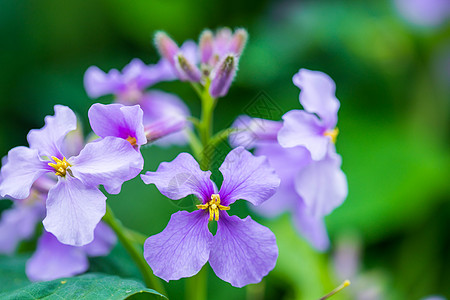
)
(393, 81)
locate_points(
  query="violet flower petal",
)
(303, 129)
(18, 223)
(48, 139)
(322, 185)
(23, 167)
(253, 132)
(104, 241)
(182, 248)
(180, 178)
(73, 211)
(318, 95)
(287, 162)
(165, 115)
(110, 162)
(310, 227)
(242, 251)
(97, 83)
(247, 177)
(54, 260)
(118, 120)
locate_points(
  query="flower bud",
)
(187, 71)
(206, 45)
(223, 75)
(167, 48)
(238, 41)
(164, 127)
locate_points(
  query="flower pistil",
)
(214, 207)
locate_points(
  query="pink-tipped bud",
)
(206, 45)
(167, 48)
(187, 70)
(223, 75)
(238, 41)
(164, 127)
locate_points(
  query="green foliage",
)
(89, 286)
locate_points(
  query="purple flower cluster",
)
(302, 150)
(56, 179)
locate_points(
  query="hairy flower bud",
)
(167, 48)
(223, 75)
(187, 70)
(206, 45)
(238, 41)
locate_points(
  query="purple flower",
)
(74, 204)
(215, 60)
(128, 86)
(302, 190)
(428, 13)
(242, 251)
(305, 158)
(52, 259)
(125, 122)
(304, 128)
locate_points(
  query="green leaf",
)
(89, 286)
(12, 272)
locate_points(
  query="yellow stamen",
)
(60, 166)
(338, 289)
(132, 140)
(214, 207)
(332, 134)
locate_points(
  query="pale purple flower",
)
(51, 259)
(315, 126)
(74, 204)
(312, 182)
(428, 13)
(290, 165)
(129, 84)
(215, 60)
(125, 122)
(242, 251)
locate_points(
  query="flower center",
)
(332, 134)
(214, 207)
(132, 140)
(60, 166)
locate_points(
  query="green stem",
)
(136, 253)
(206, 126)
(195, 144)
(196, 287)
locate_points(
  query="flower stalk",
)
(129, 243)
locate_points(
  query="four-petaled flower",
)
(301, 149)
(242, 251)
(74, 204)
